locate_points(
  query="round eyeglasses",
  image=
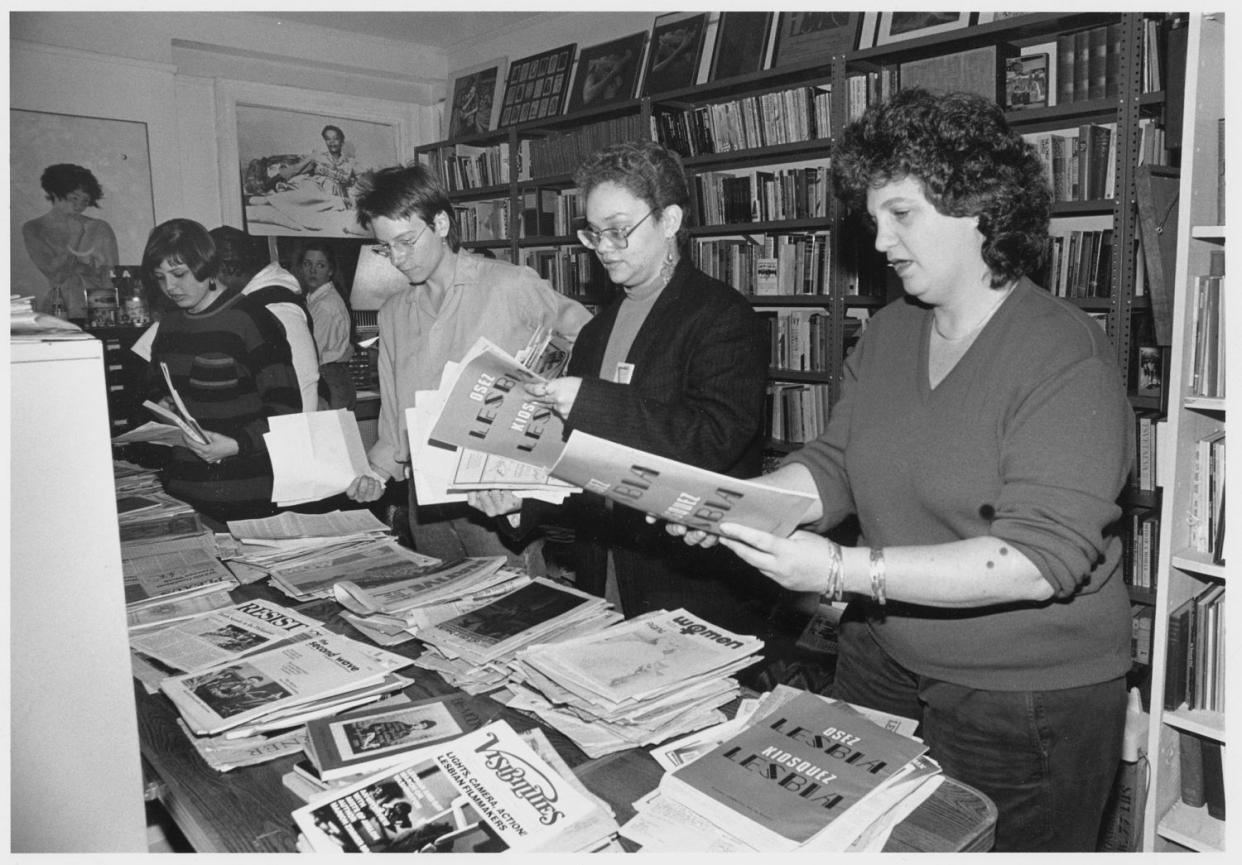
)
(405, 245)
(618, 238)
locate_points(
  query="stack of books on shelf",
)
(1089, 64)
(1207, 497)
(772, 264)
(1080, 163)
(1141, 550)
(571, 270)
(797, 412)
(799, 339)
(490, 790)
(1195, 661)
(764, 120)
(1079, 261)
(1202, 783)
(757, 195)
(563, 152)
(805, 774)
(1207, 367)
(472, 651)
(464, 167)
(483, 220)
(638, 682)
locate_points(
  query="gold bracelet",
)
(878, 575)
(833, 591)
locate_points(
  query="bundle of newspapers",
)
(639, 682)
(801, 772)
(473, 651)
(488, 791)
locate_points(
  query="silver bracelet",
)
(878, 576)
(835, 588)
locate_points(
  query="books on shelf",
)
(1207, 367)
(769, 264)
(761, 195)
(763, 120)
(1194, 658)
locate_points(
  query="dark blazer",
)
(696, 395)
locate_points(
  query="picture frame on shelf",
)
(535, 86)
(1026, 82)
(474, 97)
(741, 44)
(608, 72)
(805, 36)
(676, 47)
(894, 27)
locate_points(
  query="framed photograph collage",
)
(680, 50)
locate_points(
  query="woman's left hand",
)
(558, 394)
(799, 562)
(218, 447)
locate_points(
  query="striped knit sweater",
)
(232, 365)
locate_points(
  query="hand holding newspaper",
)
(179, 415)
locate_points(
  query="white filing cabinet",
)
(76, 774)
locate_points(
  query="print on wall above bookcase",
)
(607, 72)
(536, 85)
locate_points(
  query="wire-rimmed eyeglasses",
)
(619, 238)
(385, 250)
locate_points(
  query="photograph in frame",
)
(676, 46)
(900, 26)
(741, 43)
(536, 85)
(473, 99)
(608, 72)
(805, 36)
(300, 170)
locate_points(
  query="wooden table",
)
(247, 809)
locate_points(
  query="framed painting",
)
(806, 36)
(474, 97)
(676, 46)
(65, 152)
(536, 86)
(608, 72)
(900, 26)
(741, 43)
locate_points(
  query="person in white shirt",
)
(315, 267)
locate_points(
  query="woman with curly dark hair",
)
(982, 438)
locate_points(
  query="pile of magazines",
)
(640, 682)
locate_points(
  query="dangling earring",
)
(669, 264)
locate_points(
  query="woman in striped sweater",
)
(228, 358)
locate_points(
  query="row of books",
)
(563, 152)
(1079, 262)
(1081, 164)
(1195, 657)
(772, 264)
(1207, 497)
(551, 212)
(757, 195)
(487, 219)
(1207, 367)
(573, 271)
(870, 88)
(797, 412)
(1202, 783)
(798, 339)
(1141, 630)
(1142, 535)
(463, 167)
(1146, 425)
(764, 120)
(1089, 64)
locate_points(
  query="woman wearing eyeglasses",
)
(675, 365)
(454, 298)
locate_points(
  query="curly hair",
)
(64, 178)
(647, 170)
(402, 191)
(181, 241)
(969, 162)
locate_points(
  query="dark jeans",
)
(336, 380)
(1047, 759)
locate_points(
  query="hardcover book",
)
(1026, 82)
(784, 781)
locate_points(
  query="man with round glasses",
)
(454, 297)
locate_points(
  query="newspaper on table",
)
(241, 692)
(392, 590)
(504, 625)
(676, 491)
(292, 526)
(161, 525)
(487, 791)
(162, 612)
(314, 455)
(157, 571)
(224, 635)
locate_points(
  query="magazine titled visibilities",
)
(675, 491)
(487, 791)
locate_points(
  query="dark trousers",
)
(1047, 759)
(336, 380)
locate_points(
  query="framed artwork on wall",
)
(536, 86)
(474, 97)
(300, 170)
(805, 36)
(900, 26)
(115, 153)
(608, 72)
(676, 46)
(741, 43)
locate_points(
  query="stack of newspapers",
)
(391, 603)
(487, 791)
(804, 773)
(639, 682)
(473, 651)
(304, 555)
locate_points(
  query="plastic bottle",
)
(134, 311)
